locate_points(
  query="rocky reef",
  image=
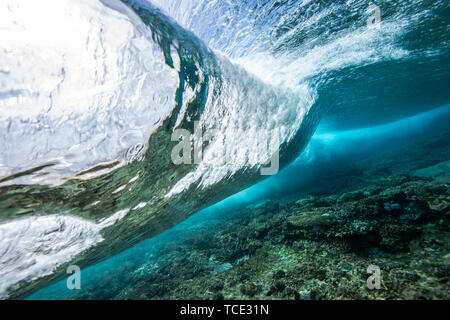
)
(391, 211)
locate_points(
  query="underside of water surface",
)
(212, 149)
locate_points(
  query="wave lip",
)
(83, 83)
(88, 119)
(91, 136)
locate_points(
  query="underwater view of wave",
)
(158, 141)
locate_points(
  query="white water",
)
(80, 84)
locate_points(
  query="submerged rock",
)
(249, 289)
(437, 171)
(322, 252)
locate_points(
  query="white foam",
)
(276, 111)
(33, 247)
(81, 83)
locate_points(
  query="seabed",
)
(390, 211)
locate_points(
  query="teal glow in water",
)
(326, 154)
(255, 65)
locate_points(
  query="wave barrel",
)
(95, 96)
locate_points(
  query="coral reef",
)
(393, 212)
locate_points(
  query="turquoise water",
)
(87, 171)
(327, 154)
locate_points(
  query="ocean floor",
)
(389, 210)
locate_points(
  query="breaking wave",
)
(92, 92)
